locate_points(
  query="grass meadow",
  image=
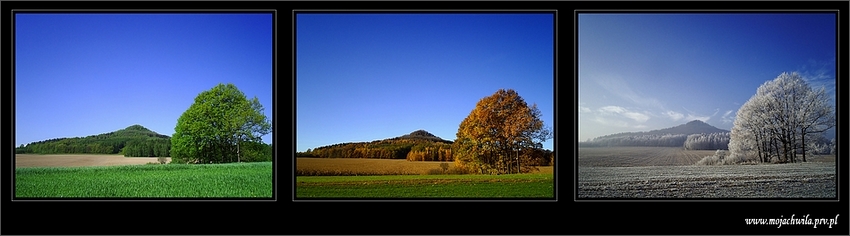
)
(426, 186)
(236, 180)
(381, 178)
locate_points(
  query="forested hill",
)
(422, 135)
(135, 140)
(692, 135)
(419, 145)
(692, 127)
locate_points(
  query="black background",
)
(516, 218)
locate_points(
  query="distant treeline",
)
(652, 140)
(134, 141)
(710, 141)
(147, 148)
(411, 149)
(420, 149)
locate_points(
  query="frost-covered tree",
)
(832, 146)
(637, 139)
(815, 116)
(748, 139)
(712, 141)
(778, 119)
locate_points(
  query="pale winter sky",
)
(641, 72)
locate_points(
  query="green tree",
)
(497, 131)
(21, 149)
(217, 125)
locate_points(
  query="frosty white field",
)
(810, 180)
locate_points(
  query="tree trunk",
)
(758, 148)
(518, 163)
(804, 144)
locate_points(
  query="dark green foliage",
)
(136, 139)
(422, 135)
(393, 148)
(221, 126)
(148, 148)
(304, 154)
(20, 150)
(256, 151)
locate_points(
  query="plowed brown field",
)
(33, 160)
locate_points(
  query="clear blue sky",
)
(365, 77)
(641, 72)
(85, 74)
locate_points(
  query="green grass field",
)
(241, 180)
(426, 186)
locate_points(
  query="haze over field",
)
(365, 77)
(84, 74)
(641, 72)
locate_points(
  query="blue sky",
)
(641, 72)
(85, 74)
(365, 77)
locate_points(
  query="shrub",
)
(719, 158)
(435, 172)
(455, 170)
(708, 160)
(735, 159)
(722, 157)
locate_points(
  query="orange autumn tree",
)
(500, 135)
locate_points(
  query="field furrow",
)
(639, 156)
(71, 160)
(802, 180)
(663, 172)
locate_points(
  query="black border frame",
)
(838, 107)
(555, 64)
(274, 35)
(428, 218)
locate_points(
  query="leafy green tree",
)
(21, 149)
(217, 125)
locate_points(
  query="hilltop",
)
(692, 127)
(132, 131)
(420, 135)
(419, 145)
(135, 140)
